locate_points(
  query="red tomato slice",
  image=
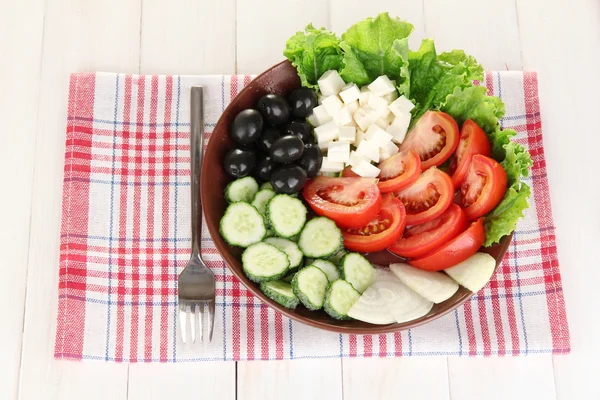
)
(473, 140)
(382, 231)
(348, 173)
(434, 138)
(399, 171)
(483, 187)
(456, 250)
(428, 197)
(419, 240)
(350, 202)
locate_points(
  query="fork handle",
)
(196, 152)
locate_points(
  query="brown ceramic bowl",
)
(282, 79)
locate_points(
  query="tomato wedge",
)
(428, 197)
(350, 202)
(434, 137)
(348, 173)
(456, 250)
(382, 231)
(473, 140)
(399, 171)
(419, 240)
(483, 187)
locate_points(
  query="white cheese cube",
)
(401, 105)
(332, 104)
(323, 146)
(369, 150)
(329, 166)
(390, 118)
(389, 150)
(382, 123)
(382, 86)
(352, 107)
(320, 116)
(391, 96)
(379, 104)
(313, 120)
(398, 128)
(360, 136)
(338, 152)
(342, 116)
(330, 83)
(365, 94)
(366, 170)
(327, 132)
(350, 93)
(364, 117)
(378, 136)
(347, 134)
(356, 158)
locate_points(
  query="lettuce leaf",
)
(353, 69)
(313, 52)
(502, 220)
(474, 103)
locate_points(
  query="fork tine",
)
(211, 319)
(201, 307)
(193, 321)
(183, 322)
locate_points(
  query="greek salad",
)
(381, 149)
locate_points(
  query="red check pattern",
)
(125, 237)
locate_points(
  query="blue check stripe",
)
(134, 123)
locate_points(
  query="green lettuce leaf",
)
(313, 52)
(353, 69)
(498, 139)
(503, 219)
(474, 103)
(516, 163)
(380, 45)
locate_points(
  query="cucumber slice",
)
(329, 268)
(371, 308)
(266, 185)
(402, 302)
(337, 257)
(242, 189)
(264, 262)
(286, 215)
(261, 198)
(358, 271)
(310, 285)
(473, 273)
(339, 298)
(289, 248)
(280, 292)
(320, 238)
(434, 286)
(242, 225)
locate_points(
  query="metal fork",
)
(196, 284)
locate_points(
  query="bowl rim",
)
(228, 257)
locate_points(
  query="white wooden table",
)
(42, 41)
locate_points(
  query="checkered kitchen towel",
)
(125, 236)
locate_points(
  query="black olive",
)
(311, 160)
(239, 163)
(246, 127)
(287, 149)
(288, 179)
(265, 168)
(274, 109)
(301, 129)
(269, 136)
(302, 102)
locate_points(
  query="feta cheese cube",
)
(313, 120)
(360, 136)
(364, 117)
(332, 104)
(329, 166)
(342, 116)
(366, 170)
(382, 86)
(352, 107)
(330, 83)
(365, 93)
(379, 104)
(347, 134)
(323, 146)
(356, 158)
(327, 132)
(338, 152)
(398, 128)
(390, 118)
(389, 150)
(401, 106)
(369, 150)
(391, 96)
(378, 136)
(350, 93)
(320, 116)
(382, 123)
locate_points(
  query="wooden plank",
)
(385, 378)
(78, 36)
(262, 29)
(204, 380)
(188, 37)
(568, 96)
(487, 30)
(295, 379)
(19, 80)
(501, 378)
